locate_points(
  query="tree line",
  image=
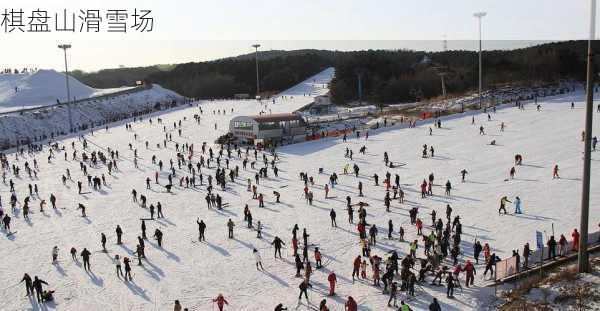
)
(386, 76)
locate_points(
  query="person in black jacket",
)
(280, 307)
(477, 248)
(28, 284)
(37, 285)
(119, 233)
(103, 241)
(552, 248)
(303, 290)
(144, 230)
(85, 254)
(526, 254)
(489, 266)
(435, 306)
(201, 228)
(277, 242)
(158, 235)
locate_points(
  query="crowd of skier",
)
(437, 256)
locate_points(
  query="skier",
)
(258, 259)
(332, 215)
(201, 229)
(393, 291)
(470, 273)
(119, 233)
(448, 187)
(280, 307)
(117, 262)
(332, 281)
(85, 254)
(318, 264)
(230, 226)
(503, 202)
(450, 286)
(28, 284)
(463, 173)
(158, 235)
(82, 208)
(434, 306)
(518, 206)
(103, 241)
(477, 248)
(555, 172)
(37, 285)
(356, 268)
(277, 242)
(323, 303)
(350, 305)
(54, 254)
(303, 290)
(220, 300)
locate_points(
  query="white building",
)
(280, 128)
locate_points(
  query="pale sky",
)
(197, 30)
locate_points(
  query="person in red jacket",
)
(318, 258)
(220, 300)
(356, 270)
(470, 272)
(361, 230)
(332, 280)
(350, 305)
(295, 245)
(575, 236)
(562, 245)
(419, 224)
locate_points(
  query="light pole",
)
(582, 259)
(64, 47)
(256, 46)
(479, 15)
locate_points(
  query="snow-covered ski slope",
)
(42, 88)
(194, 272)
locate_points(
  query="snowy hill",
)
(41, 88)
(313, 86)
(195, 272)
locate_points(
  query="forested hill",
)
(226, 77)
(404, 76)
(387, 76)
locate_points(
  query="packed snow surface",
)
(195, 272)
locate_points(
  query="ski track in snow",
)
(195, 273)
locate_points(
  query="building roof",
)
(277, 117)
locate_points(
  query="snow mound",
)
(42, 88)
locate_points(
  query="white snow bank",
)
(42, 88)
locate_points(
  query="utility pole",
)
(479, 15)
(583, 264)
(64, 47)
(256, 46)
